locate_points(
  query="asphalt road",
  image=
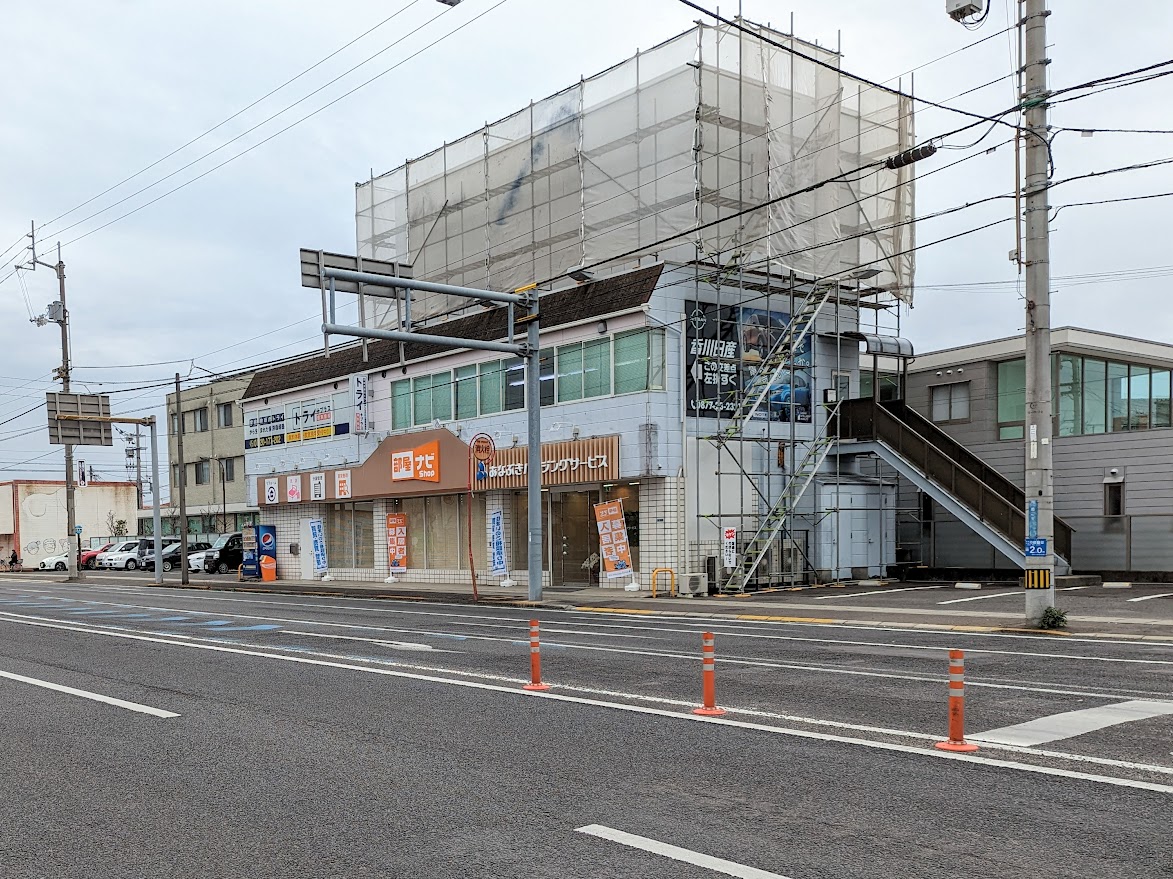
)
(279, 736)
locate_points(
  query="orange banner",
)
(421, 463)
(613, 545)
(397, 542)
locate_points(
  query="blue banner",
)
(1032, 518)
(318, 538)
(497, 543)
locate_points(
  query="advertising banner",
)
(726, 350)
(421, 463)
(342, 484)
(613, 545)
(397, 542)
(318, 546)
(315, 418)
(293, 489)
(497, 543)
(317, 486)
(272, 492)
(358, 385)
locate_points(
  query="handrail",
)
(672, 582)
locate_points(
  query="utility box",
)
(959, 9)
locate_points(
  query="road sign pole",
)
(533, 404)
(156, 516)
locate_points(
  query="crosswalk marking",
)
(1073, 723)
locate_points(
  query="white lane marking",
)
(1059, 690)
(1070, 588)
(676, 853)
(877, 592)
(619, 706)
(394, 645)
(86, 694)
(1147, 597)
(1075, 723)
(711, 625)
(375, 605)
(978, 597)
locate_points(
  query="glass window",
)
(350, 535)
(466, 392)
(1117, 397)
(224, 415)
(596, 368)
(1160, 397)
(1011, 399)
(1070, 395)
(514, 383)
(1139, 394)
(401, 404)
(1114, 499)
(203, 472)
(443, 523)
(1095, 396)
(229, 469)
(950, 402)
(656, 360)
(199, 420)
(569, 373)
(431, 398)
(631, 362)
(546, 376)
(442, 396)
(492, 379)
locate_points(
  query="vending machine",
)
(260, 552)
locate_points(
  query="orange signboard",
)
(397, 541)
(421, 463)
(613, 545)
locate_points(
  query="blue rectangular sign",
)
(497, 542)
(318, 539)
(1036, 547)
(1032, 519)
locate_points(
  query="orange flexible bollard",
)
(535, 660)
(957, 740)
(709, 678)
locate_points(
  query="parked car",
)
(89, 557)
(172, 557)
(54, 563)
(226, 554)
(123, 556)
(195, 561)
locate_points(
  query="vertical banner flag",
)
(318, 538)
(341, 484)
(613, 546)
(497, 543)
(359, 389)
(729, 547)
(272, 492)
(397, 542)
(317, 486)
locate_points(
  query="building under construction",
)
(723, 246)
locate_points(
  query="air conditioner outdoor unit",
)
(694, 584)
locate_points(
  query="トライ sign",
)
(613, 545)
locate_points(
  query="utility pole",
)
(1040, 501)
(183, 576)
(60, 314)
(138, 468)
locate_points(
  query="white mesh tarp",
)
(712, 127)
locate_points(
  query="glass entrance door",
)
(573, 537)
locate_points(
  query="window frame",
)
(204, 468)
(224, 415)
(951, 403)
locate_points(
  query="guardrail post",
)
(957, 740)
(535, 660)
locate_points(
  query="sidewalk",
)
(1110, 619)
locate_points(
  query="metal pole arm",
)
(423, 286)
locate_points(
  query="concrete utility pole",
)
(1040, 501)
(182, 479)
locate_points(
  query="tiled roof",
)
(610, 295)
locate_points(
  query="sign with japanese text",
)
(613, 545)
(342, 484)
(421, 463)
(272, 492)
(497, 564)
(319, 417)
(563, 463)
(293, 489)
(318, 541)
(729, 547)
(317, 486)
(358, 384)
(397, 542)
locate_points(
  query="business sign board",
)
(343, 486)
(317, 486)
(293, 489)
(318, 417)
(272, 492)
(421, 463)
(318, 545)
(727, 348)
(497, 565)
(613, 544)
(358, 385)
(78, 433)
(729, 548)
(566, 462)
(397, 542)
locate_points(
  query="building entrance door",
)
(574, 536)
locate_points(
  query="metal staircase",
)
(780, 358)
(773, 524)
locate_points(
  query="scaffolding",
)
(717, 150)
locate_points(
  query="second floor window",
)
(229, 469)
(950, 402)
(197, 419)
(203, 472)
(224, 415)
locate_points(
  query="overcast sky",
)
(95, 92)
